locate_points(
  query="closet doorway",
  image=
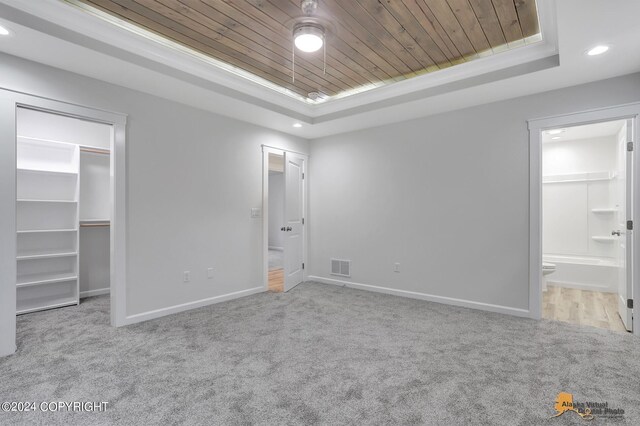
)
(40, 192)
(63, 210)
(284, 207)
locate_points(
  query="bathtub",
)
(585, 273)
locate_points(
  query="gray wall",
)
(445, 196)
(276, 209)
(192, 179)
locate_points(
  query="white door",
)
(293, 220)
(624, 213)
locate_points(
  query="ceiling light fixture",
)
(555, 138)
(309, 35)
(597, 50)
(297, 125)
(555, 131)
(3, 31)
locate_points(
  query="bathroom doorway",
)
(586, 201)
(276, 221)
(284, 210)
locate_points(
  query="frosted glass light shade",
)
(308, 38)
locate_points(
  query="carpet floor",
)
(319, 354)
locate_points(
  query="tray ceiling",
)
(372, 42)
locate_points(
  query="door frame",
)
(10, 101)
(536, 127)
(266, 150)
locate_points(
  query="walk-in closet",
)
(63, 210)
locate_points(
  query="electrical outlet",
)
(186, 276)
(209, 273)
(396, 267)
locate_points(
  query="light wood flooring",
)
(582, 307)
(276, 280)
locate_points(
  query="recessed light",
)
(555, 138)
(3, 31)
(597, 50)
(555, 131)
(297, 125)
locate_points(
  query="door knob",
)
(283, 229)
(616, 233)
(289, 228)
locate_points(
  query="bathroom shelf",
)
(604, 210)
(603, 239)
(579, 177)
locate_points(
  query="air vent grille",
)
(341, 267)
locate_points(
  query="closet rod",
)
(94, 225)
(95, 150)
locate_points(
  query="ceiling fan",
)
(309, 33)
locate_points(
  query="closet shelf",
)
(29, 200)
(42, 231)
(46, 256)
(603, 239)
(604, 210)
(43, 281)
(69, 302)
(47, 172)
(48, 141)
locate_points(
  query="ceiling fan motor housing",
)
(309, 7)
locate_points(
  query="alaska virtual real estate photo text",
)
(319, 212)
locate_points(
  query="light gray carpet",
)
(276, 259)
(318, 354)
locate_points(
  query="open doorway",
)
(284, 207)
(40, 192)
(276, 222)
(586, 203)
(63, 210)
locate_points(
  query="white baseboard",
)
(276, 248)
(145, 316)
(581, 286)
(428, 297)
(91, 293)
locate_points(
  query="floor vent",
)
(341, 267)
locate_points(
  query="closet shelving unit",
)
(47, 224)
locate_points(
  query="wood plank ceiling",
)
(373, 41)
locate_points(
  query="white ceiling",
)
(587, 131)
(56, 34)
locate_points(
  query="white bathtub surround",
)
(580, 202)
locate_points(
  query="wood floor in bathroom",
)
(582, 307)
(276, 280)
